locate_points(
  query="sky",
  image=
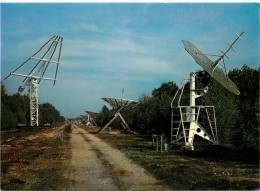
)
(108, 47)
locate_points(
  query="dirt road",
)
(96, 166)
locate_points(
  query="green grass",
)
(216, 168)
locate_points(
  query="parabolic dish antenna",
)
(92, 113)
(119, 105)
(211, 67)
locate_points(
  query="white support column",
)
(192, 128)
(103, 128)
(93, 121)
(124, 122)
(34, 113)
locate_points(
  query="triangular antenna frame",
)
(119, 105)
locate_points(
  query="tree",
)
(49, 114)
(15, 109)
(104, 116)
(8, 119)
(166, 88)
(225, 104)
(144, 115)
(237, 116)
(246, 132)
(153, 113)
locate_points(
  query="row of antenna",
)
(36, 74)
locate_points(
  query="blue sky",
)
(111, 46)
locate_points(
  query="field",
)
(208, 168)
(33, 159)
(40, 160)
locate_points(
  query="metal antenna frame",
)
(119, 104)
(188, 125)
(34, 77)
(90, 118)
(211, 67)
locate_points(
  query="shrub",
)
(68, 128)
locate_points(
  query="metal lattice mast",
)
(34, 102)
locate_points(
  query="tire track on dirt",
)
(87, 171)
(125, 174)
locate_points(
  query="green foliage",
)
(226, 110)
(68, 128)
(247, 123)
(15, 109)
(104, 116)
(168, 88)
(49, 114)
(153, 113)
(237, 116)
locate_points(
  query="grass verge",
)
(206, 169)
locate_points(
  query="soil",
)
(95, 166)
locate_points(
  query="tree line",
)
(237, 116)
(15, 109)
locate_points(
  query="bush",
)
(68, 128)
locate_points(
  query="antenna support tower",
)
(185, 119)
(119, 105)
(50, 51)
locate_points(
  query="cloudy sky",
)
(108, 47)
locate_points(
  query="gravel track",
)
(95, 166)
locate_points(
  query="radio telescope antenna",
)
(40, 61)
(118, 105)
(91, 116)
(187, 125)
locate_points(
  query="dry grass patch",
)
(37, 164)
